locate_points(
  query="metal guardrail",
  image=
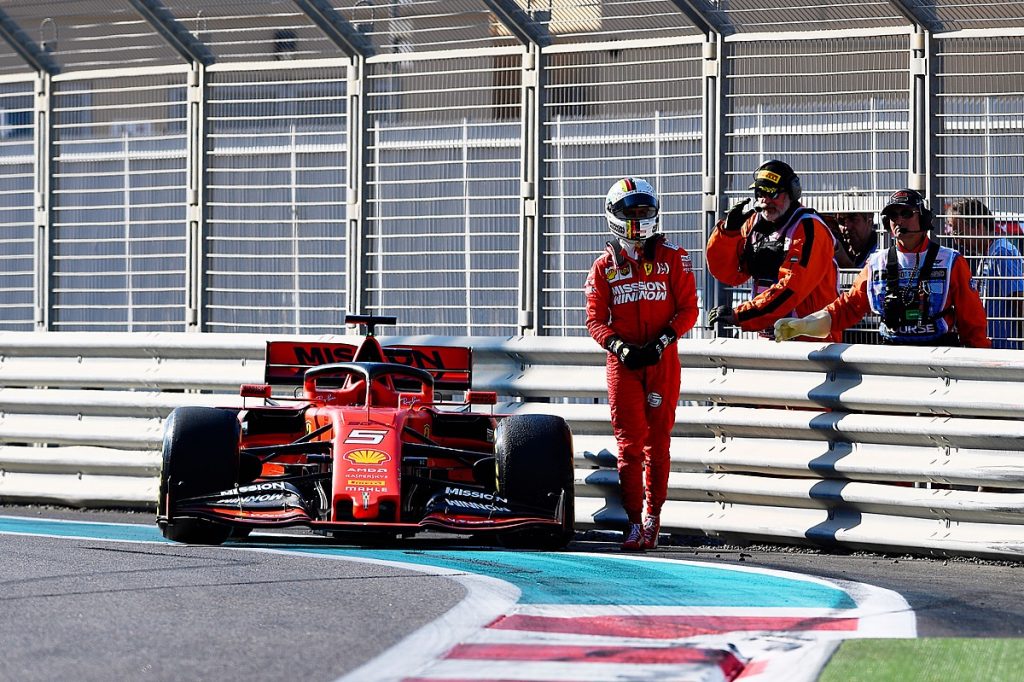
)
(886, 448)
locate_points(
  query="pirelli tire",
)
(200, 457)
(534, 462)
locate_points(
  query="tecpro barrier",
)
(886, 448)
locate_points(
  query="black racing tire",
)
(200, 457)
(534, 461)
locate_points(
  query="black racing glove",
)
(652, 350)
(722, 313)
(627, 353)
(737, 215)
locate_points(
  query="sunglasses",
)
(903, 213)
(761, 193)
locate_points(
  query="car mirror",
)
(481, 398)
(255, 391)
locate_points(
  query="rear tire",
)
(200, 457)
(534, 459)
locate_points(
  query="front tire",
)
(534, 459)
(200, 457)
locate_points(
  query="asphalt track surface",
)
(96, 610)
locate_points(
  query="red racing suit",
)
(804, 282)
(636, 299)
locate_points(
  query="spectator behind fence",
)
(998, 269)
(784, 247)
(921, 290)
(840, 254)
(858, 238)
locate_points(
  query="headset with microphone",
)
(775, 173)
(908, 199)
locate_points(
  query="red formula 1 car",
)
(364, 450)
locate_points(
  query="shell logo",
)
(367, 456)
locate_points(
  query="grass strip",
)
(926, 660)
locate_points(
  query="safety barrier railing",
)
(885, 448)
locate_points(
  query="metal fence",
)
(269, 166)
(276, 163)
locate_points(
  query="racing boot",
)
(652, 526)
(634, 541)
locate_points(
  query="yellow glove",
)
(817, 324)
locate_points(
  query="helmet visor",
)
(635, 207)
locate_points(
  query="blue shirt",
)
(1001, 277)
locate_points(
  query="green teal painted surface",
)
(82, 529)
(542, 577)
(590, 579)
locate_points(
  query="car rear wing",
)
(287, 361)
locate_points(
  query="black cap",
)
(906, 198)
(772, 176)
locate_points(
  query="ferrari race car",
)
(360, 449)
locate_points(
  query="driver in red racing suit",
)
(641, 297)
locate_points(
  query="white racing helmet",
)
(631, 208)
